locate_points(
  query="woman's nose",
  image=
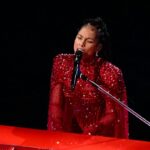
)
(82, 43)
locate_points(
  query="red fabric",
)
(86, 109)
(15, 147)
(6, 147)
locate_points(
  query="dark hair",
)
(100, 26)
(102, 34)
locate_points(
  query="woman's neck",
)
(88, 60)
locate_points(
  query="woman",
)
(85, 109)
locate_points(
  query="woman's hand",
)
(92, 129)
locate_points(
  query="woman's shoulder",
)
(109, 67)
(110, 74)
(64, 56)
(63, 59)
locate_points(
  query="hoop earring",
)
(97, 54)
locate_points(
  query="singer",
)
(74, 104)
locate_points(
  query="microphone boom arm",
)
(115, 99)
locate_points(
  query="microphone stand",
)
(83, 77)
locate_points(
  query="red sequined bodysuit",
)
(86, 109)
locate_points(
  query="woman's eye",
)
(78, 37)
(90, 41)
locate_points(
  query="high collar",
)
(90, 61)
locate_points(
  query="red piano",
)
(18, 138)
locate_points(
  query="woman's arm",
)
(55, 109)
(55, 96)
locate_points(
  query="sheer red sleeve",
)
(115, 114)
(55, 97)
(114, 111)
(121, 123)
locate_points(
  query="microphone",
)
(76, 69)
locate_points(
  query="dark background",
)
(32, 34)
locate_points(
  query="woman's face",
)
(86, 40)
